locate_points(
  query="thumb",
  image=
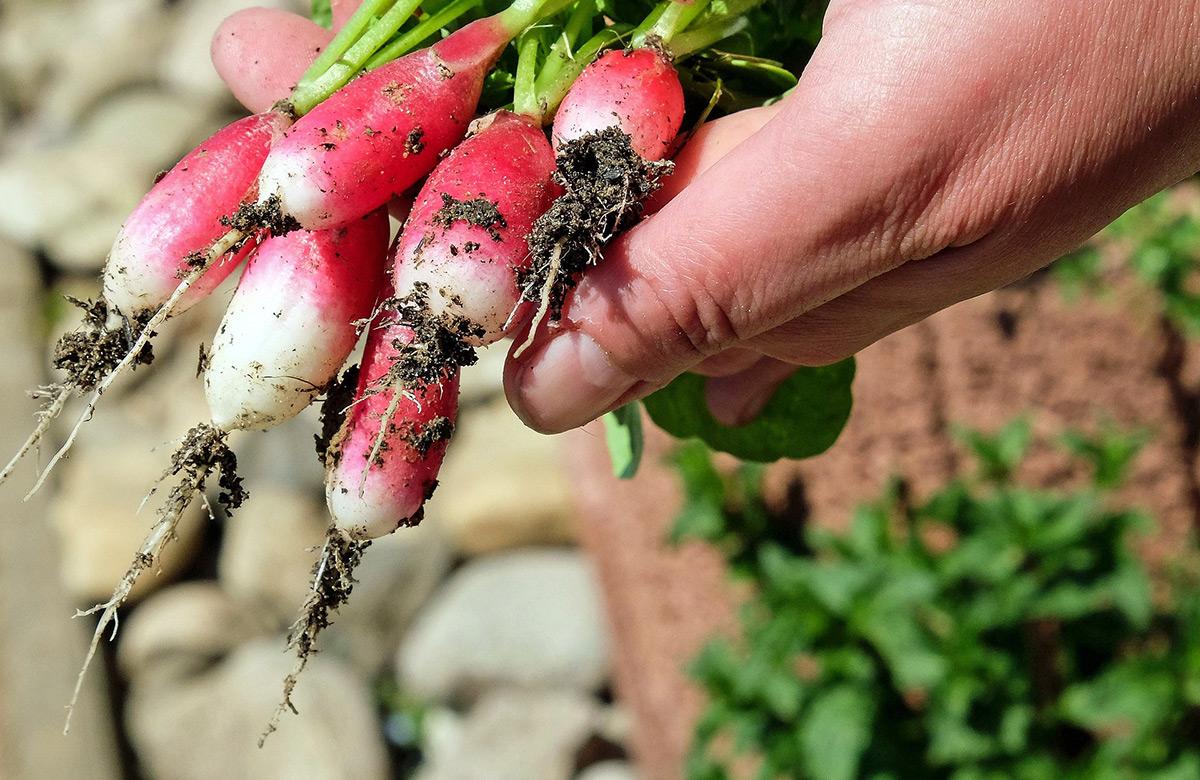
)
(775, 227)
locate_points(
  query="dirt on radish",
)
(606, 183)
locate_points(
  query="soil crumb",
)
(436, 430)
(479, 212)
(441, 344)
(338, 398)
(605, 183)
(93, 351)
(413, 143)
(333, 581)
(251, 217)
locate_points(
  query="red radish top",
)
(466, 235)
(382, 132)
(182, 214)
(637, 90)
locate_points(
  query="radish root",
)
(333, 580)
(229, 242)
(58, 395)
(203, 452)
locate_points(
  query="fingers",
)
(770, 230)
(737, 399)
(342, 11)
(262, 52)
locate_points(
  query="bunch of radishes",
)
(505, 221)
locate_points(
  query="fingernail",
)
(569, 382)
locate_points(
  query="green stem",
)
(306, 96)
(417, 35)
(673, 20)
(525, 96)
(692, 41)
(523, 13)
(640, 31)
(363, 18)
(580, 19)
(553, 83)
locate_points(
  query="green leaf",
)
(836, 731)
(703, 513)
(1110, 452)
(623, 432)
(802, 419)
(1000, 453)
(1126, 701)
(322, 13)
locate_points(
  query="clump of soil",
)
(442, 342)
(338, 398)
(479, 212)
(333, 580)
(205, 450)
(91, 352)
(251, 217)
(436, 430)
(605, 183)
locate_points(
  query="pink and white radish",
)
(613, 129)
(381, 133)
(465, 239)
(291, 323)
(375, 484)
(182, 214)
(636, 91)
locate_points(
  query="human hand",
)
(932, 151)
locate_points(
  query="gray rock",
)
(113, 43)
(529, 618)
(208, 726)
(180, 630)
(71, 198)
(269, 548)
(502, 485)
(513, 734)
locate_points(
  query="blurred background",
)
(990, 575)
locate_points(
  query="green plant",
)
(1164, 246)
(991, 631)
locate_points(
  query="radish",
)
(381, 466)
(373, 485)
(465, 238)
(614, 127)
(291, 324)
(381, 133)
(183, 212)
